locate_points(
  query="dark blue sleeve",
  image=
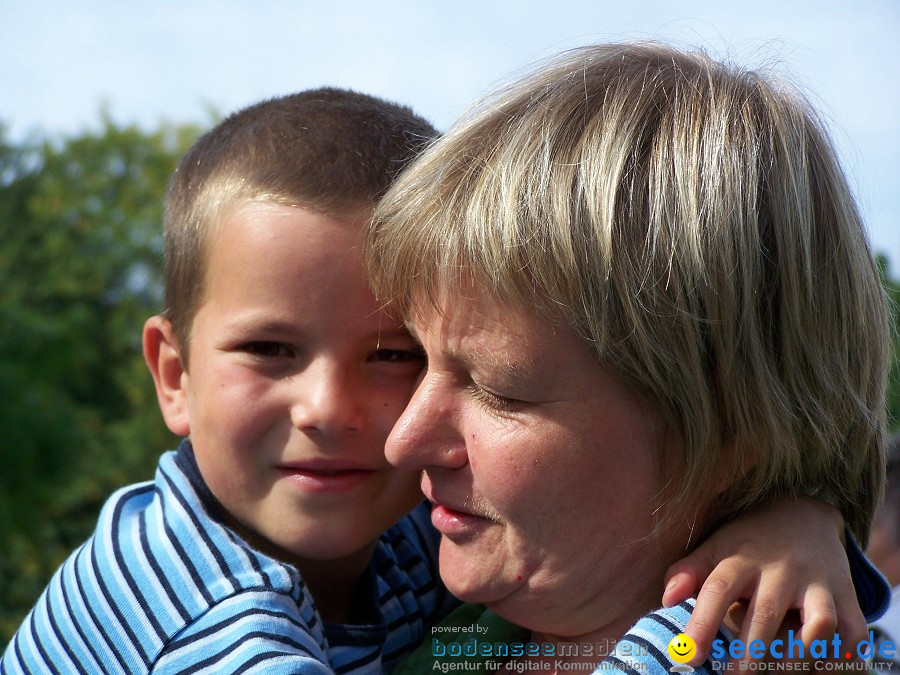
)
(872, 590)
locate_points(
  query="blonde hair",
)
(331, 150)
(689, 220)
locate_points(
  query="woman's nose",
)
(427, 433)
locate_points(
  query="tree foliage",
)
(80, 253)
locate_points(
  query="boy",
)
(274, 357)
(257, 546)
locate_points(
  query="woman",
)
(648, 303)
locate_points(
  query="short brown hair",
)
(328, 149)
(690, 221)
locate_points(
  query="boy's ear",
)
(163, 357)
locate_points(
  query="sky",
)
(144, 62)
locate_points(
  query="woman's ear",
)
(163, 356)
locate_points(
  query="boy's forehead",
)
(289, 249)
(264, 214)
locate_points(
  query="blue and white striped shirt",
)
(643, 650)
(163, 587)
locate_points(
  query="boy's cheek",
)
(407, 489)
(388, 404)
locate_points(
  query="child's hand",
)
(784, 555)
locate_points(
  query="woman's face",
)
(543, 469)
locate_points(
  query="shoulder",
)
(181, 542)
(84, 598)
(644, 648)
(157, 564)
(251, 629)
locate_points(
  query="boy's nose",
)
(328, 401)
(427, 433)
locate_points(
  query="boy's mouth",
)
(326, 476)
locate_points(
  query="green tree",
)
(80, 267)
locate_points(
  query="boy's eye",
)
(265, 348)
(397, 355)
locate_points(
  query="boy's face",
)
(295, 381)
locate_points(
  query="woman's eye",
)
(398, 355)
(265, 348)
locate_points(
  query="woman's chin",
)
(483, 583)
(471, 584)
(472, 587)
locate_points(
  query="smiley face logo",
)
(682, 648)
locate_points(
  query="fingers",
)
(679, 587)
(820, 618)
(768, 617)
(771, 619)
(851, 624)
(684, 576)
(724, 586)
(766, 611)
(801, 567)
(698, 564)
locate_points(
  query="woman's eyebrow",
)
(502, 370)
(511, 373)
